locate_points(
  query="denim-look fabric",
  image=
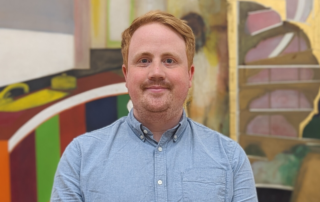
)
(122, 162)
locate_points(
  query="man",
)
(155, 153)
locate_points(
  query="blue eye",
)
(144, 61)
(169, 61)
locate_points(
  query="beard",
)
(163, 104)
(157, 104)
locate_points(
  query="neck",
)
(158, 122)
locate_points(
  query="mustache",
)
(150, 83)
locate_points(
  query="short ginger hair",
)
(177, 25)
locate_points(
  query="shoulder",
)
(210, 135)
(102, 133)
(216, 142)
(99, 137)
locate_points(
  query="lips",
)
(156, 89)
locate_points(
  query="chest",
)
(156, 175)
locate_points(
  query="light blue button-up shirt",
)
(122, 162)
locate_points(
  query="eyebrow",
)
(170, 54)
(135, 57)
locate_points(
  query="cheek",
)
(132, 79)
(133, 85)
(182, 83)
(136, 76)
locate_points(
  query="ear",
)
(125, 72)
(191, 72)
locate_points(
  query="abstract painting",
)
(274, 66)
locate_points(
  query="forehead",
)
(156, 38)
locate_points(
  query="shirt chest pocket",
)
(204, 185)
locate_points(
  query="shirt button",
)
(145, 131)
(160, 149)
(141, 136)
(175, 137)
(160, 182)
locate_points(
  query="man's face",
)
(157, 76)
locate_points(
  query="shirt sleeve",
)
(66, 186)
(244, 189)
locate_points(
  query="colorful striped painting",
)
(48, 142)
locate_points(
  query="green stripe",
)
(122, 101)
(47, 156)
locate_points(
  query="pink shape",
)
(297, 44)
(258, 21)
(284, 74)
(284, 99)
(281, 74)
(281, 99)
(281, 127)
(263, 49)
(259, 125)
(291, 8)
(303, 44)
(303, 102)
(260, 103)
(261, 77)
(306, 74)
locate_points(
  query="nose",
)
(156, 71)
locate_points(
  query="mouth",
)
(156, 88)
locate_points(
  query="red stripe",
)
(23, 171)
(72, 124)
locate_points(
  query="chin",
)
(157, 108)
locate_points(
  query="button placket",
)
(160, 173)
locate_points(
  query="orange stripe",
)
(5, 194)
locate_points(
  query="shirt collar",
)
(141, 131)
